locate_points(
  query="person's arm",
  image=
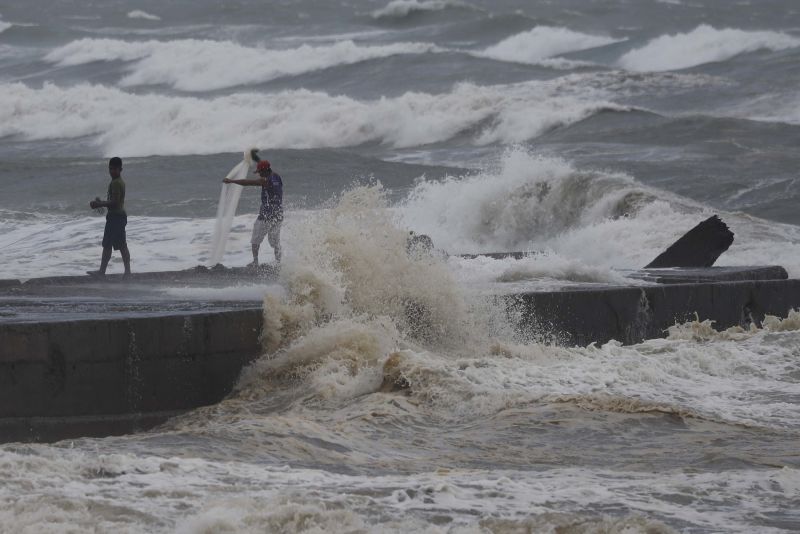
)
(116, 195)
(97, 203)
(260, 181)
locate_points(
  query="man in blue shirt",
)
(270, 216)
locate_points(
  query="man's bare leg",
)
(103, 263)
(126, 258)
(255, 248)
(104, 259)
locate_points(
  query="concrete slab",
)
(69, 298)
(119, 370)
(580, 316)
(683, 275)
(80, 356)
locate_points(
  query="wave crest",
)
(403, 8)
(139, 14)
(543, 42)
(704, 44)
(146, 124)
(527, 201)
(204, 65)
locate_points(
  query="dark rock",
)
(699, 247)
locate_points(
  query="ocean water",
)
(593, 133)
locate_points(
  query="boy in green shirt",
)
(116, 219)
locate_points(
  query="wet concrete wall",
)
(66, 379)
(633, 314)
(100, 377)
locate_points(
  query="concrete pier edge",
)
(65, 379)
(633, 314)
(119, 374)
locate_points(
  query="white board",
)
(226, 209)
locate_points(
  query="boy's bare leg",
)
(255, 248)
(126, 258)
(104, 259)
(103, 263)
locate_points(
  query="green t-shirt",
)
(116, 193)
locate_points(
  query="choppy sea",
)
(594, 133)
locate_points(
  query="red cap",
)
(262, 165)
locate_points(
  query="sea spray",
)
(354, 263)
(355, 298)
(226, 209)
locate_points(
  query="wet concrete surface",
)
(88, 356)
(70, 298)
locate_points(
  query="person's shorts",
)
(114, 234)
(269, 228)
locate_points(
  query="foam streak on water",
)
(119, 491)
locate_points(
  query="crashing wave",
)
(704, 44)
(145, 124)
(205, 65)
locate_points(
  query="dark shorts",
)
(114, 234)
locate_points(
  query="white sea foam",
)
(91, 489)
(402, 8)
(769, 107)
(4, 25)
(331, 37)
(203, 65)
(758, 241)
(704, 44)
(144, 124)
(543, 42)
(139, 14)
(243, 292)
(528, 203)
(740, 381)
(585, 225)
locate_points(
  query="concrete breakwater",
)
(82, 367)
(632, 314)
(66, 379)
